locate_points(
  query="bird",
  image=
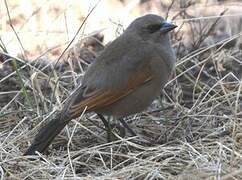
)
(123, 80)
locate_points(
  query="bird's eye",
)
(153, 28)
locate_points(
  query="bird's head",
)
(150, 27)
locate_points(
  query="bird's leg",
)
(109, 127)
(105, 122)
(127, 127)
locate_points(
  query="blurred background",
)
(43, 26)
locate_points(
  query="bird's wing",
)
(98, 98)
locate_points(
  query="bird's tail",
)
(45, 136)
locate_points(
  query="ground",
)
(192, 131)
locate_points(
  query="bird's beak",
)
(166, 27)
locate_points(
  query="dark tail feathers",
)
(45, 136)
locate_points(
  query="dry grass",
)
(193, 132)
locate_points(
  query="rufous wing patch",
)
(98, 99)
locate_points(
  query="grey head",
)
(153, 29)
(150, 27)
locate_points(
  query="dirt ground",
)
(192, 131)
